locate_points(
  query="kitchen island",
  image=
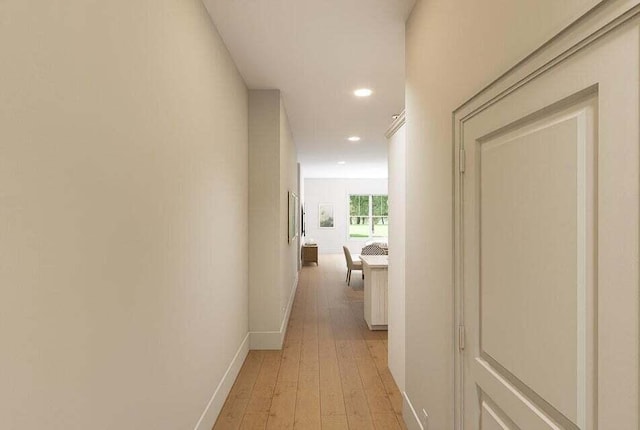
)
(376, 286)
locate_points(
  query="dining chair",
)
(352, 263)
(373, 249)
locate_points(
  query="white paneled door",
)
(548, 202)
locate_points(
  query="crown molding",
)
(396, 124)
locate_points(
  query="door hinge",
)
(461, 337)
(462, 161)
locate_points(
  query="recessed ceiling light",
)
(363, 92)
(354, 138)
(342, 162)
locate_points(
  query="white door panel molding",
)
(547, 200)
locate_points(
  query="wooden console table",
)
(309, 254)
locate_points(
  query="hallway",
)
(332, 372)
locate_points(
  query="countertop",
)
(375, 261)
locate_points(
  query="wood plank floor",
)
(332, 372)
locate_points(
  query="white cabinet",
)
(375, 290)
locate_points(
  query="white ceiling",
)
(317, 52)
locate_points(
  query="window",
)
(368, 216)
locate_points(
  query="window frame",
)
(370, 217)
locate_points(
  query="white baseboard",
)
(269, 340)
(275, 339)
(211, 412)
(253, 340)
(409, 414)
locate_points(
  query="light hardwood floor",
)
(332, 372)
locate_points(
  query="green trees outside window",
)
(368, 216)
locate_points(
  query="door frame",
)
(586, 30)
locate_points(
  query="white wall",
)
(265, 276)
(336, 191)
(273, 266)
(454, 48)
(397, 233)
(123, 215)
(289, 251)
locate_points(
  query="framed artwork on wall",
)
(293, 216)
(325, 215)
